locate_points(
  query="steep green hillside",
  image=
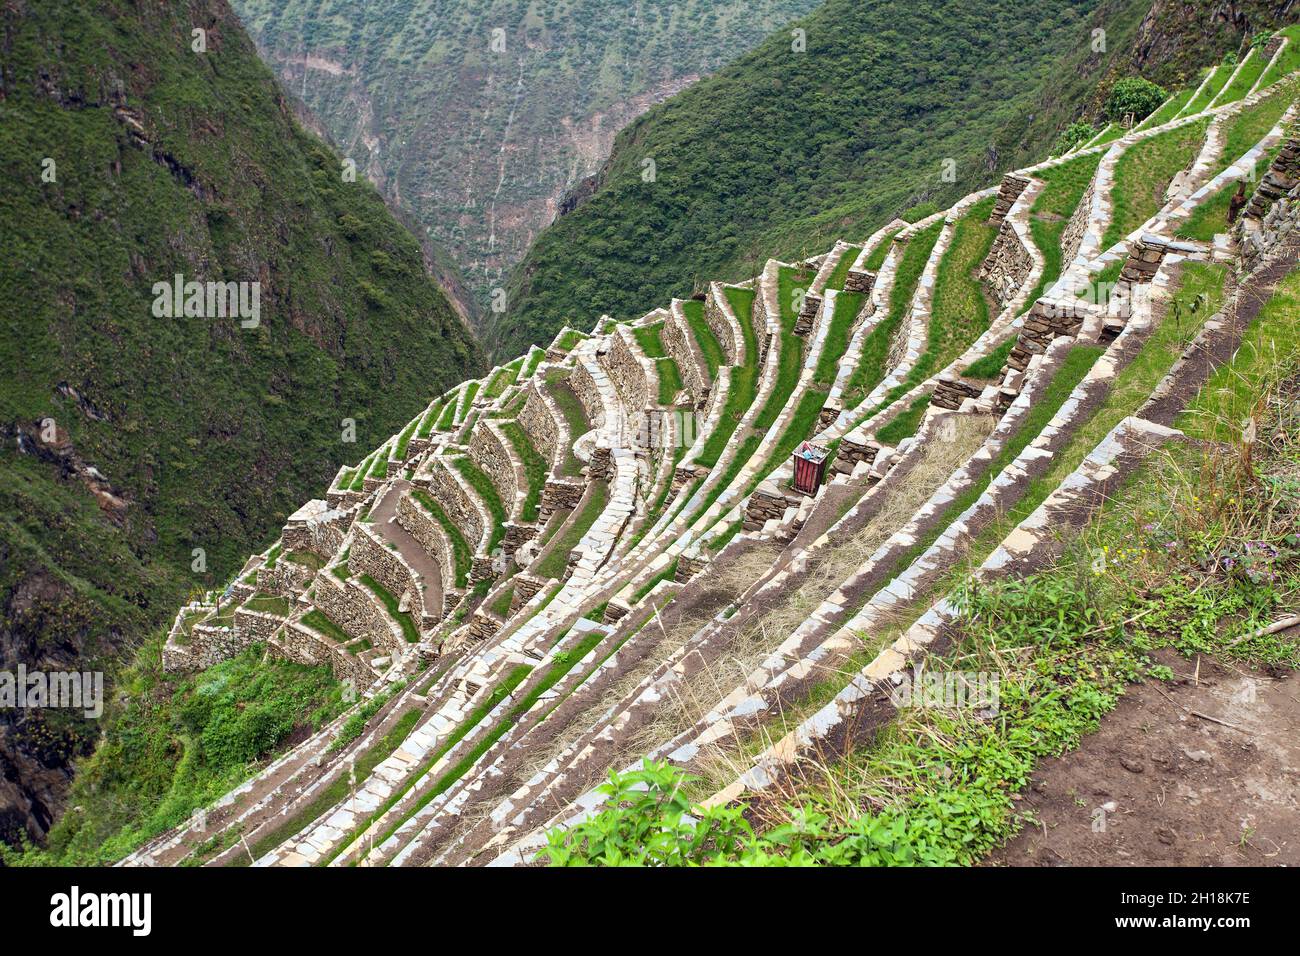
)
(782, 152)
(479, 115)
(130, 440)
(785, 150)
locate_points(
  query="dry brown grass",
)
(691, 698)
(727, 584)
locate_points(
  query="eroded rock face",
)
(38, 746)
(519, 133)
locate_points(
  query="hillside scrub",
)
(1133, 98)
(209, 432)
(174, 745)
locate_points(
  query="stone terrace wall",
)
(721, 328)
(287, 579)
(1273, 210)
(462, 512)
(302, 645)
(320, 532)
(1046, 321)
(1007, 265)
(1072, 237)
(560, 494)
(207, 646)
(426, 530)
(624, 368)
(584, 386)
(256, 627)
(487, 450)
(1261, 237)
(537, 421)
(678, 340)
(370, 556)
(352, 607)
(1008, 192)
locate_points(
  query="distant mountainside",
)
(479, 115)
(783, 151)
(136, 149)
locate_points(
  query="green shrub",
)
(1134, 96)
(1076, 134)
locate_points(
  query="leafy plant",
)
(1133, 97)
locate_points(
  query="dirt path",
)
(1160, 785)
(410, 549)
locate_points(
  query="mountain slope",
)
(481, 141)
(130, 440)
(782, 152)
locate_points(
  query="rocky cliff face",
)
(142, 451)
(478, 116)
(1177, 37)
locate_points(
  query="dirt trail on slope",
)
(1161, 783)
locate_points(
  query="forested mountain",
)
(142, 140)
(787, 149)
(478, 115)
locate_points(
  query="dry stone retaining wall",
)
(1007, 265)
(429, 534)
(371, 556)
(462, 511)
(489, 450)
(624, 365)
(538, 421)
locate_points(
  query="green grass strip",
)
(268, 604)
(535, 467)
(870, 370)
(1288, 61)
(404, 439)
(561, 663)
(991, 365)
(567, 401)
(876, 258)
(503, 690)
(1143, 174)
(557, 558)
(847, 307)
(744, 383)
(709, 346)
(906, 424)
(337, 791)
(1222, 73)
(390, 601)
(482, 484)
(318, 622)
(1271, 345)
(1132, 386)
(841, 270)
(670, 380)
(462, 552)
(1168, 110)
(1251, 69)
(651, 340)
(1050, 214)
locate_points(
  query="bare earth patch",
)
(1175, 789)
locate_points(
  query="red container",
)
(809, 467)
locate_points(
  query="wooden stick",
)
(1277, 626)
